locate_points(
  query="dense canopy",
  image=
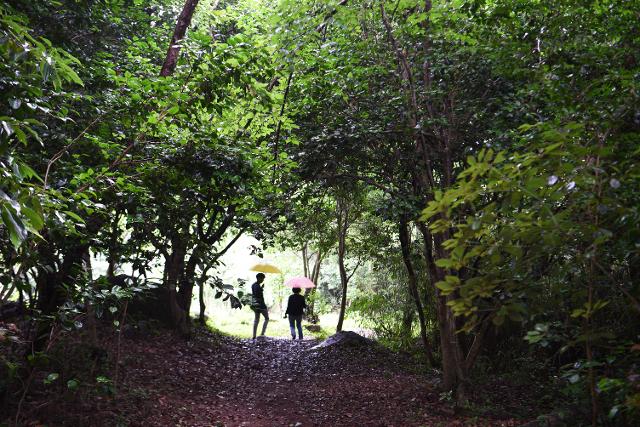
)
(461, 176)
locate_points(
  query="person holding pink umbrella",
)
(297, 304)
(295, 309)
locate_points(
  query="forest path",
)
(221, 381)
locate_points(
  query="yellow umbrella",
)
(265, 268)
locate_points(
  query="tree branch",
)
(320, 28)
(60, 153)
(184, 20)
(354, 269)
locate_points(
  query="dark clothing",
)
(257, 297)
(296, 305)
(297, 321)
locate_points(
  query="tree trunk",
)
(91, 312)
(174, 268)
(427, 155)
(405, 243)
(51, 290)
(311, 292)
(184, 20)
(52, 285)
(453, 363)
(305, 260)
(187, 282)
(315, 273)
(342, 218)
(202, 318)
(344, 280)
(114, 242)
(407, 320)
(315, 278)
(203, 307)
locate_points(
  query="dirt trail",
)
(216, 381)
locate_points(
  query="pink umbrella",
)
(299, 282)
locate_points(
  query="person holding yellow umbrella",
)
(258, 305)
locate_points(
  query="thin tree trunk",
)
(205, 268)
(344, 280)
(310, 292)
(7, 292)
(91, 312)
(477, 344)
(114, 239)
(405, 244)
(591, 280)
(342, 226)
(201, 284)
(184, 20)
(305, 260)
(203, 307)
(315, 273)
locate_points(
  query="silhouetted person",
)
(257, 304)
(295, 309)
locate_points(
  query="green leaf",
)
(17, 231)
(51, 378)
(35, 219)
(445, 263)
(453, 280)
(22, 137)
(74, 216)
(69, 74)
(445, 287)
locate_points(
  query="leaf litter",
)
(215, 380)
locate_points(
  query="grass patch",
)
(239, 323)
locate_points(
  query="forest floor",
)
(215, 380)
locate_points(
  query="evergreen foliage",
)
(477, 158)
